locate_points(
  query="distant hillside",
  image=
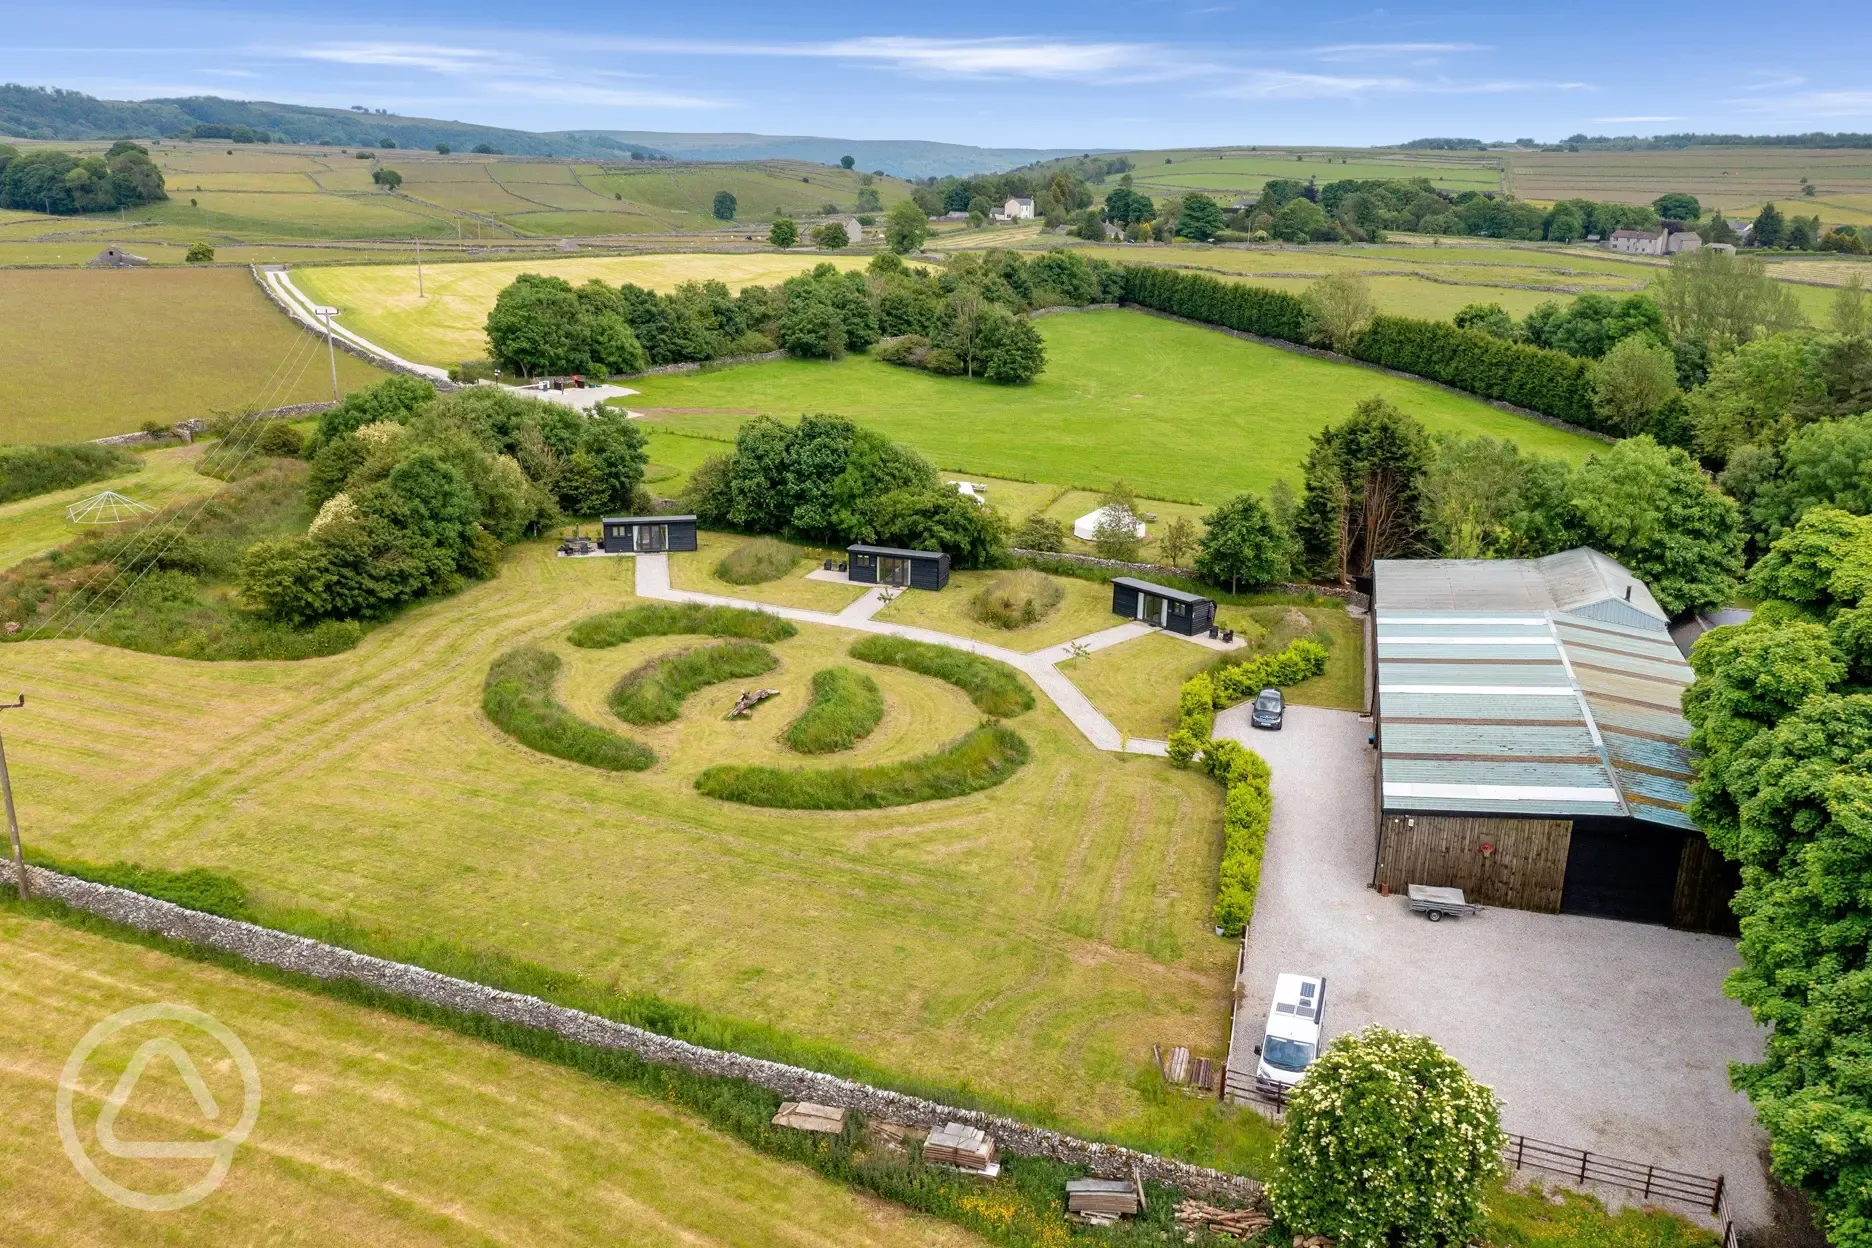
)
(904, 158)
(39, 113)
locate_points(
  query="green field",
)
(372, 1128)
(1736, 179)
(103, 350)
(1177, 411)
(1235, 172)
(1032, 941)
(445, 324)
(35, 525)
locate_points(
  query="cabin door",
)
(652, 537)
(893, 571)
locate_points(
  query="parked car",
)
(1269, 709)
(1291, 1042)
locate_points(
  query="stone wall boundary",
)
(375, 359)
(304, 956)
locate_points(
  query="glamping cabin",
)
(887, 565)
(1180, 612)
(648, 535)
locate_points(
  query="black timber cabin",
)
(887, 565)
(1188, 614)
(647, 535)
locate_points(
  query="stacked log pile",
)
(1196, 1217)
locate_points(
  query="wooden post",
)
(1582, 1165)
(6, 790)
(1716, 1203)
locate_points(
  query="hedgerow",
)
(993, 687)
(614, 628)
(978, 760)
(654, 692)
(517, 696)
(1248, 802)
(26, 471)
(846, 706)
(1551, 382)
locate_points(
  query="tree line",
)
(61, 184)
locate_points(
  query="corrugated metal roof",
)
(1580, 582)
(1539, 711)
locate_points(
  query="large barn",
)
(1527, 714)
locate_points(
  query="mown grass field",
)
(100, 351)
(372, 1128)
(695, 571)
(1086, 608)
(1177, 410)
(445, 324)
(1736, 179)
(35, 525)
(1232, 173)
(1032, 941)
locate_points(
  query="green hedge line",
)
(1551, 382)
(654, 692)
(1248, 803)
(614, 628)
(517, 696)
(978, 760)
(846, 706)
(28, 471)
(994, 687)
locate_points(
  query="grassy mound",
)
(654, 692)
(758, 561)
(994, 687)
(518, 698)
(977, 760)
(1016, 599)
(846, 706)
(26, 471)
(613, 628)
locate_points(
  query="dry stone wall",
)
(321, 961)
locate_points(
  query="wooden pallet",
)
(806, 1116)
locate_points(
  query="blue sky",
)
(1144, 73)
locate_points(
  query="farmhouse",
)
(1172, 609)
(887, 565)
(1017, 210)
(1659, 242)
(625, 535)
(1527, 715)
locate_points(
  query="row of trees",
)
(60, 184)
(826, 480)
(418, 494)
(970, 309)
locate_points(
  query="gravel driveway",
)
(1601, 1035)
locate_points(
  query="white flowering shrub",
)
(1388, 1144)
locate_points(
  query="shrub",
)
(194, 889)
(600, 632)
(1300, 660)
(846, 706)
(199, 253)
(1038, 532)
(27, 471)
(280, 440)
(977, 760)
(653, 693)
(517, 696)
(993, 687)
(758, 561)
(1388, 1144)
(1016, 599)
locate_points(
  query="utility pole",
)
(6, 789)
(326, 311)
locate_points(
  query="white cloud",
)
(1009, 57)
(408, 55)
(1288, 85)
(1814, 104)
(609, 97)
(1353, 52)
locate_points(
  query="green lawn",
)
(35, 525)
(1031, 942)
(1176, 410)
(372, 1128)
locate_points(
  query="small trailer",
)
(1437, 903)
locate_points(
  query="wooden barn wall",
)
(1526, 871)
(1705, 882)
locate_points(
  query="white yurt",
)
(1085, 528)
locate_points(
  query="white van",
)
(1293, 1028)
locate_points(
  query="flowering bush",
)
(1388, 1144)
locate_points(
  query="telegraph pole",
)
(6, 789)
(327, 312)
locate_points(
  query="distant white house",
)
(1639, 242)
(1017, 210)
(1682, 240)
(1086, 527)
(972, 489)
(854, 233)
